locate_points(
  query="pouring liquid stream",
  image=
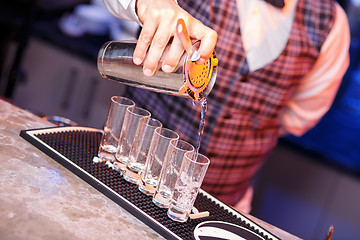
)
(203, 108)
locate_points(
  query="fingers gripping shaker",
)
(189, 80)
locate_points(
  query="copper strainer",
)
(196, 77)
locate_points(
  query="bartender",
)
(280, 66)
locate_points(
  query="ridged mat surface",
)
(80, 146)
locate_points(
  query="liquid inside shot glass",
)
(170, 172)
(131, 121)
(140, 149)
(112, 128)
(187, 186)
(156, 157)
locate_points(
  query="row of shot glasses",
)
(153, 157)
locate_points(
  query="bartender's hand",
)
(159, 18)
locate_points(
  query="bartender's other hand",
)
(159, 18)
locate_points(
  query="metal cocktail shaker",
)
(189, 80)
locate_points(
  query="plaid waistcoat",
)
(242, 121)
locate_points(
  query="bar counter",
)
(40, 199)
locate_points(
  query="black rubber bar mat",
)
(75, 147)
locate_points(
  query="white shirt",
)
(265, 32)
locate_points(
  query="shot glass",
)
(131, 121)
(156, 157)
(170, 172)
(187, 186)
(140, 149)
(112, 128)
